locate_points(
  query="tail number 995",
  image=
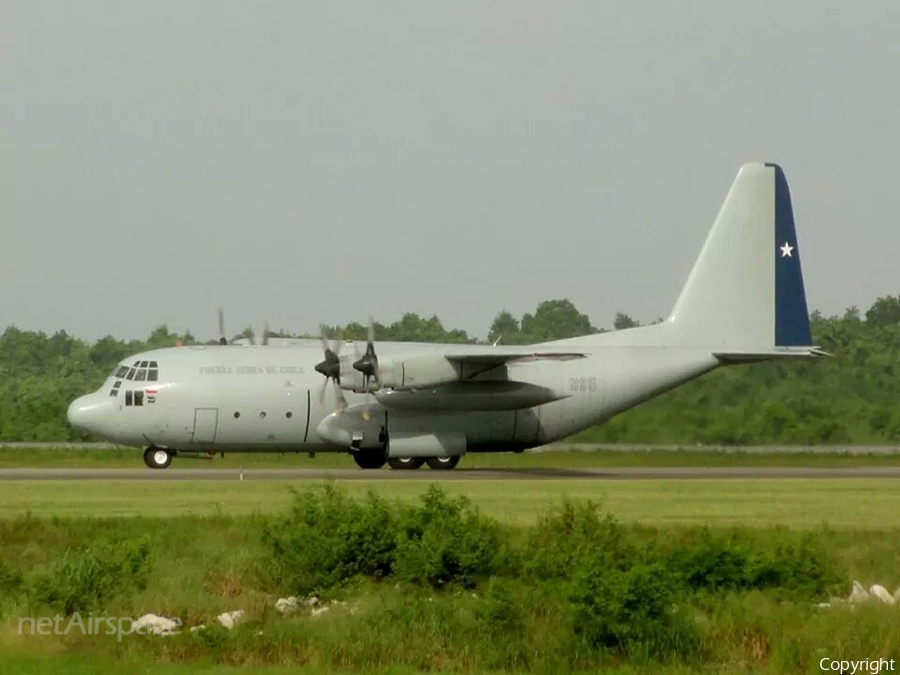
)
(583, 383)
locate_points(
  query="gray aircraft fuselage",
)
(227, 398)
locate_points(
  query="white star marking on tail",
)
(786, 250)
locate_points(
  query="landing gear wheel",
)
(369, 459)
(405, 463)
(157, 458)
(443, 463)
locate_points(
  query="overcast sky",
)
(316, 162)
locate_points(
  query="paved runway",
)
(619, 473)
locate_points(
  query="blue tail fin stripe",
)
(791, 314)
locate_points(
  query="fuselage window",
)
(262, 415)
(130, 375)
(141, 375)
(128, 397)
(139, 398)
(237, 415)
(152, 375)
(289, 414)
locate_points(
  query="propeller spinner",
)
(368, 363)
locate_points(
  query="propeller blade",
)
(342, 402)
(265, 335)
(371, 334)
(222, 339)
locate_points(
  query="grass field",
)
(206, 555)
(862, 503)
(64, 457)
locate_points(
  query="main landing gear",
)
(157, 458)
(375, 459)
(405, 463)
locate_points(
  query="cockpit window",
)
(141, 371)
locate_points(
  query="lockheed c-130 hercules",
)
(408, 404)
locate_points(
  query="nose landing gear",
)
(157, 458)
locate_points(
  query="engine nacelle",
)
(419, 372)
(412, 444)
(361, 427)
(463, 396)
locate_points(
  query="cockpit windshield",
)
(141, 371)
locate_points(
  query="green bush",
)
(88, 577)
(10, 580)
(721, 562)
(445, 541)
(576, 534)
(634, 611)
(328, 539)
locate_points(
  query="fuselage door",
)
(205, 422)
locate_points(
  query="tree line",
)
(849, 398)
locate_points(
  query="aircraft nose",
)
(86, 412)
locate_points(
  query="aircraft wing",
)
(471, 363)
(492, 356)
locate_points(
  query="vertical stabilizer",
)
(745, 292)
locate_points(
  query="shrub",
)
(573, 535)
(445, 541)
(722, 562)
(327, 539)
(88, 577)
(633, 611)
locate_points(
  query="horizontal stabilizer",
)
(767, 355)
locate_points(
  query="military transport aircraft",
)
(408, 404)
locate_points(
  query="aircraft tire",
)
(157, 458)
(369, 459)
(442, 463)
(405, 463)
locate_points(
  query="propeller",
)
(251, 335)
(222, 339)
(368, 363)
(331, 369)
